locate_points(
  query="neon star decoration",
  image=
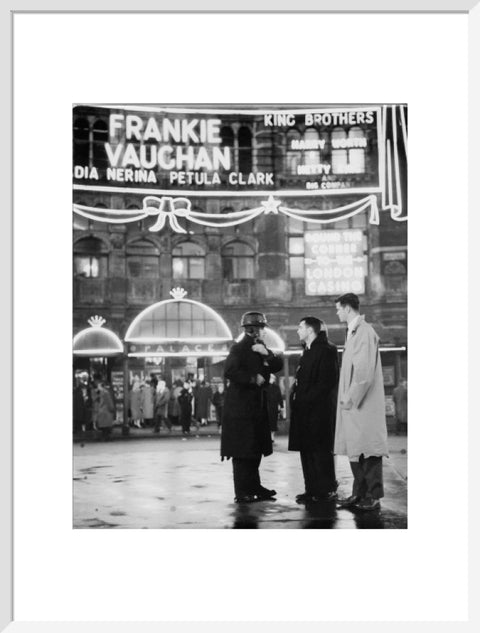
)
(270, 205)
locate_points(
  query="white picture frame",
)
(9, 319)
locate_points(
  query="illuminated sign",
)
(178, 348)
(174, 150)
(335, 262)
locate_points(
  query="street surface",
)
(175, 482)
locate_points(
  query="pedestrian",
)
(173, 406)
(361, 428)
(105, 410)
(203, 400)
(245, 425)
(185, 404)
(136, 402)
(162, 398)
(218, 401)
(274, 404)
(313, 401)
(148, 401)
(401, 408)
(82, 404)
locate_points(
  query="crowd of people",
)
(151, 404)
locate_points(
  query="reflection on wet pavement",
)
(168, 484)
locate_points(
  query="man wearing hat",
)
(245, 426)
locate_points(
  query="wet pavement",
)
(174, 482)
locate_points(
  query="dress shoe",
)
(367, 505)
(264, 494)
(245, 499)
(349, 502)
(325, 496)
(301, 498)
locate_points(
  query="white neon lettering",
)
(171, 130)
(133, 126)
(145, 162)
(130, 156)
(187, 131)
(113, 156)
(213, 131)
(151, 130)
(115, 122)
(162, 157)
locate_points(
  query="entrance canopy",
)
(97, 341)
(178, 327)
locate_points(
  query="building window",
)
(100, 137)
(395, 275)
(294, 156)
(244, 150)
(143, 260)
(90, 259)
(348, 151)
(80, 142)
(238, 261)
(311, 156)
(188, 261)
(296, 250)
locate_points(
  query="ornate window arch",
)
(81, 142)
(188, 260)
(238, 261)
(90, 258)
(143, 259)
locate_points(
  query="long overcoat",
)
(400, 399)
(313, 399)
(245, 424)
(106, 410)
(148, 401)
(203, 399)
(361, 427)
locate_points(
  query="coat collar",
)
(360, 320)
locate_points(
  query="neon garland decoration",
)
(168, 208)
(171, 208)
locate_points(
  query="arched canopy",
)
(97, 341)
(178, 320)
(272, 340)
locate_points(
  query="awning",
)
(96, 340)
(178, 327)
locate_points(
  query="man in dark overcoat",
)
(245, 426)
(313, 403)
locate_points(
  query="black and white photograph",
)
(240, 335)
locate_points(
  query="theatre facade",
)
(185, 217)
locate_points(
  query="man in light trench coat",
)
(361, 428)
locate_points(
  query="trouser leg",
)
(368, 477)
(246, 477)
(318, 472)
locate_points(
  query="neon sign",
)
(335, 262)
(172, 155)
(174, 148)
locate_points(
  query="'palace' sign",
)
(178, 349)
